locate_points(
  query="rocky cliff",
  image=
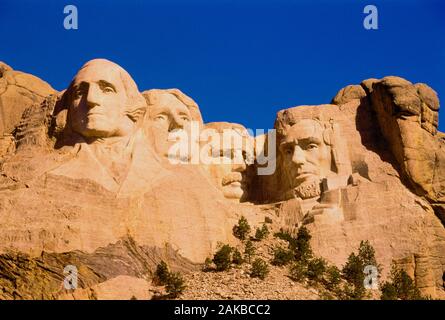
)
(88, 178)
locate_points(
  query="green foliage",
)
(161, 274)
(282, 256)
(242, 229)
(262, 233)
(389, 291)
(353, 270)
(332, 278)
(298, 271)
(326, 295)
(237, 258)
(303, 251)
(249, 250)
(315, 269)
(222, 258)
(175, 284)
(366, 253)
(400, 286)
(287, 237)
(347, 292)
(207, 265)
(173, 281)
(353, 273)
(300, 245)
(260, 269)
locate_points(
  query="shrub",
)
(303, 251)
(282, 256)
(242, 229)
(237, 258)
(366, 253)
(259, 269)
(161, 274)
(389, 291)
(347, 292)
(405, 286)
(173, 281)
(249, 250)
(325, 295)
(298, 271)
(315, 269)
(300, 245)
(207, 265)
(175, 284)
(222, 258)
(286, 236)
(353, 273)
(353, 270)
(401, 286)
(262, 233)
(332, 278)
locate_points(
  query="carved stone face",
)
(167, 115)
(98, 102)
(306, 157)
(230, 159)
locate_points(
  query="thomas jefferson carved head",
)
(169, 111)
(103, 101)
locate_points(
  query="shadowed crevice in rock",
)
(371, 137)
(25, 277)
(439, 210)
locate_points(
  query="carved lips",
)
(234, 179)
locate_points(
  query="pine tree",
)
(161, 274)
(249, 250)
(259, 269)
(222, 258)
(242, 229)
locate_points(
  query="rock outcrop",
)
(18, 91)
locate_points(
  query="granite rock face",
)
(18, 91)
(90, 177)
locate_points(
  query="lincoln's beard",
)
(309, 189)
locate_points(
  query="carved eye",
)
(185, 118)
(108, 90)
(312, 146)
(78, 92)
(160, 117)
(288, 151)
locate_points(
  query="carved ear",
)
(327, 136)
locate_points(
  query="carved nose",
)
(175, 123)
(298, 157)
(93, 98)
(239, 164)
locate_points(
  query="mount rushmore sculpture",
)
(111, 179)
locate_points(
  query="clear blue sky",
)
(242, 61)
